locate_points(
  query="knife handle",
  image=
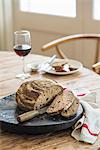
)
(27, 115)
(52, 59)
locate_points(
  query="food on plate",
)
(72, 67)
(60, 62)
(63, 66)
(37, 93)
(59, 65)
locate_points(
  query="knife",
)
(47, 64)
(31, 114)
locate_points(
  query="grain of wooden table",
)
(10, 65)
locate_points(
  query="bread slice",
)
(60, 62)
(48, 94)
(72, 110)
(60, 101)
(37, 93)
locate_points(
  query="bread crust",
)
(36, 94)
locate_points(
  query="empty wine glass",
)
(22, 47)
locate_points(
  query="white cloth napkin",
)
(87, 128)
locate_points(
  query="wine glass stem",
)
(23, 65)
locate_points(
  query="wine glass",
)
(22, 47)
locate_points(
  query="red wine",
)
(22, 50)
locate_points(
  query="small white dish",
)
(33, 66)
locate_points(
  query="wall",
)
(1, 26)
(6, 25)
(81, 51)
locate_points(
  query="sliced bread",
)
(72, 110)
(60, 101)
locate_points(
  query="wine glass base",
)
(23, 76)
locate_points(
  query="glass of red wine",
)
(22, 47)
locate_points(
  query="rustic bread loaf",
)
(63, 99)
(37, 94)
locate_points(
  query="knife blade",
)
(31, 114)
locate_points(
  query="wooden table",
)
(10, 65)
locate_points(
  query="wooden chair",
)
(56, 43)
(96, 68)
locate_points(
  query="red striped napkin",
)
(87, 128)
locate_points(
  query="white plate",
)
(75, 63)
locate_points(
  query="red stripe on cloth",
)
(86, 126)
(81, 94)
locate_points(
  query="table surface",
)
(10, 65)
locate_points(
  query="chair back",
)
(56, 43)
